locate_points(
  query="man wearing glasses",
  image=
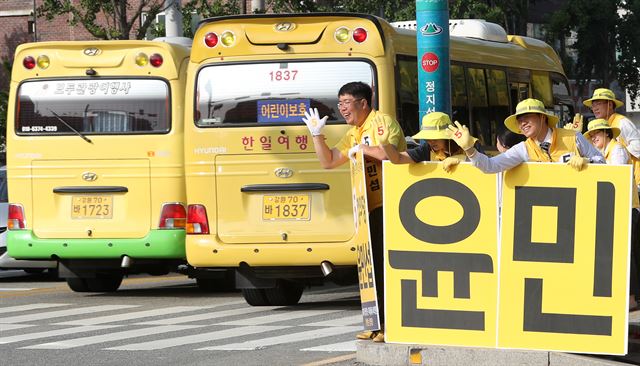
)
(354, 104)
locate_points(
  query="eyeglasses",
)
(347, 103)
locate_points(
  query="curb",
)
(372, 353)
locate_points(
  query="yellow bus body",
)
(91, 201)
(231, 182)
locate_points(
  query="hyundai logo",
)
(285, 26)
(89, 176)
(92, 51)
(283, 173)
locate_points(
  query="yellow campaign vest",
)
(366, 134)
(563, 143)
(635, 201)
(614, 121)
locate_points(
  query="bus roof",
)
(106, 58)
(515, 51)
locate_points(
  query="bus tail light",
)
(211, 40)
(15, 220)
(156, 60)
(342, 34)
(228, 38)
(43, 61)
(173, 216)
(142, 59)
(197, 221)
(359, 35)
(29, 62)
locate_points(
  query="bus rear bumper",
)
(158, 244)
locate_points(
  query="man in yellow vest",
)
(603, 103)
(354, 104)
(545, 142)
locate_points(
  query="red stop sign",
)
(430, 62)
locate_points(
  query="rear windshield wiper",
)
(71, 128)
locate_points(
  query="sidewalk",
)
(372, 353)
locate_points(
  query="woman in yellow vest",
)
(439, 146)
(603, 103)
(603, 136)
(544, 143)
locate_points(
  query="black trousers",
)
(377, 249)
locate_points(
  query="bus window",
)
(479, 105)
(498, 102)
(459, 109)
(58, 107)
(274, 92)
(407, 86)
(541, 87)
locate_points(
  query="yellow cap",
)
(529, 106)
(603, 94)
(601, 124)
(434, 127)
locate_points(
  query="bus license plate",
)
(286, 207)
(91, 207)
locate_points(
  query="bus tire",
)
(77, 284)
(255, 296)
(285, 293)
(104, 284)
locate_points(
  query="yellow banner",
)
(564, 260)
(366, 278)
(562, 280)
(441, 255)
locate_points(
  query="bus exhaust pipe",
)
(126, 261)
(326, 267)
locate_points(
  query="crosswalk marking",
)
(53, 333)
(347, 320)
(284, 315)
(16, 288)
(63, 313)
(110, 337)
(17, 308)
(209, 316)
(134, 315)
(287, 338)
(7, 327)
(199, 338)
(349, 346)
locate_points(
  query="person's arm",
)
(587, 150)
(394, 156)
(501, 162)
(619, 155)
(631, 136)
(329, 158)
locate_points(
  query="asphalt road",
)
(168, 321)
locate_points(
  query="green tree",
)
(628, 65)
(512, 15)
(206, 9)
(4, 101)
(105, 19)
(391, 10)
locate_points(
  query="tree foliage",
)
(512, 15)
(391, 10)
(105, 19)
(4, 101)
(206, 9)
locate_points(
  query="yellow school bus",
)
(259, 201)
(95, 159)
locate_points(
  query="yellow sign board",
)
(366, 277)
(564, 259)
(556, 280)
(441, 243)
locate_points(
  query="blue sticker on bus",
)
(279, 111)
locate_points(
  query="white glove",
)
(353, 151)
(314, 122)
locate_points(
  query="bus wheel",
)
(285, 293)
(77, 284)
(104, 284)
(255, 296)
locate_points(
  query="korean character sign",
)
(441, 254)
(565, 255)
(366, 278)
(561, 280)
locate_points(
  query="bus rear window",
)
(273, 93)
(93, 107)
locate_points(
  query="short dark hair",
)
(358, 90)
(509, 138)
